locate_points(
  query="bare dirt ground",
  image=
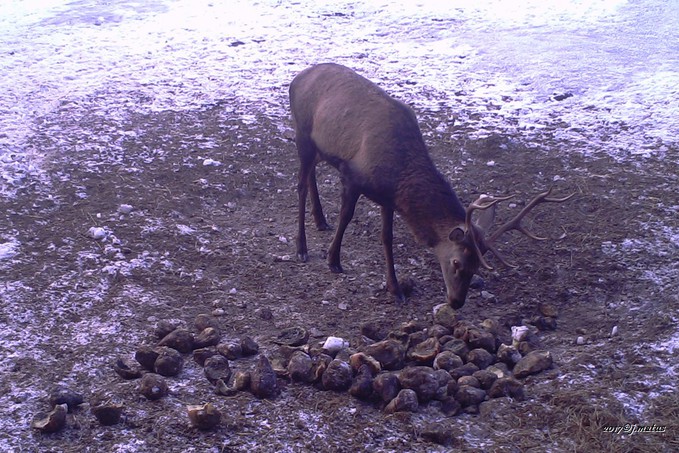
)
(203, 237)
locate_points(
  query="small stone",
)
(179, 339)
(506, 386)
(204, 320)
(487, 295)
(204, 416)
(481, 339)
(470, 396)
(241, 380)
(248, 346)
(405, 401)
(519, 334)
(438, 331)
(207, 337)
(533, 363)
(415, 338)
(412, 326)
(458, 347)
(580, 341)
(169, 362)
(107, 413)
(165, 327)
(446, 316)
(497, 370)
(321, 363)
(447, 360)
(424, 352)
(63, 395)
(508, 354)
(231, 349)
(263, 382)
(125, 208)
(443, 378)
(153, 386)
(362, 387)
(300, 367)
(548, 310)
(202, 354)
(127, 369)
(356, 361)
(422, 380)
(400, 336)
(390, 354)
(292, 336)
(481, 358)
(477, 282)
(525, 347)
(491, 325)
(376, 331)
(333, 345)
(146, 356)
(53, 421)
(217, 367)
(467, 369)
(614, 331)
(337, 376)
(221, 388)
(468, 380)
(386, 386)
(544, 323)
(485, 378)
(97, 233)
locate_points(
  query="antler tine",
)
(515, 223)
(483, 202)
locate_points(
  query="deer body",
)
(375, 143)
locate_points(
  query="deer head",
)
(464, 261)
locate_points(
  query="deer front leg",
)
(349, 199)
(388, 242)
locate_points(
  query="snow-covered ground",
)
(619, 60)
(506, 67)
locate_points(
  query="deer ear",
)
(457, 235)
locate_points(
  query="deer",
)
(375, 143)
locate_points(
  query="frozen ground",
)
(597, 82)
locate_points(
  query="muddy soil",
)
(219, 234)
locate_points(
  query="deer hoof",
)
(324, 226)
(336, 268)
(303, 256)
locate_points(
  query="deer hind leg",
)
(388, 242)
(316, 208)
(350, 196)
(307, 167)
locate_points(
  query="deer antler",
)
(515, 223)
(483, 202)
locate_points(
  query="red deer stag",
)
(375, 142)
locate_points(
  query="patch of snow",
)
(9, 249)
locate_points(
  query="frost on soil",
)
(178, 110)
